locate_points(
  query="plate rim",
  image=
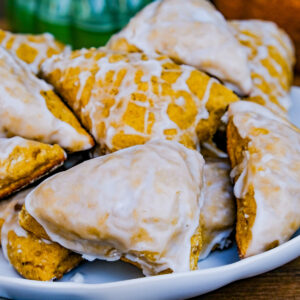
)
(243, 263)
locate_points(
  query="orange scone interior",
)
(24, 161)
(246, 206)
(264, 151)
(28, 223)
(150, 219)
(125, 99)
(32, 257)
(31, 109)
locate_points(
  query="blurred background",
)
(80, 23)
(86, 23)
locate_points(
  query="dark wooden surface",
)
(282, 283)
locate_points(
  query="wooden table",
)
(282, 283)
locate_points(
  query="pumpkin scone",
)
(30, 108)
(264, 151)
(218, 211)
(142, 205)
(32, 257)
(32, 49)
(125, 99)
(24, 161)
(271, 58)
(192, 32)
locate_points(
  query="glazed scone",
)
(32, 49)
(192, 32)
(264, 151)
(125, 99)
(30, 108)
(11, 205)
(23, 161)
(271, 58)
(32, 257)
(218, 211)
(141, 204)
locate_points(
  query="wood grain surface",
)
(282, 283)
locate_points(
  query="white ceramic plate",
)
(118, 280)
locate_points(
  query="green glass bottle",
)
(123, 10)
(9, 11)
(94, 21)
(54, 16)
(80, 23)
(23, 16)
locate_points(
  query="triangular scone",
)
(141, 204)
(32, 257)
(32, 49)
(218, 211)
(126, 99)
(265, 153)
(30, 108)
(24, 161)
(192, 32)
(271, 58)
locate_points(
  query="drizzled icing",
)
(127, 99)
(29, 108)
(218, 210)
(271, 58)
(192, 32)
(142, 203)
(271, 168)
(32, 49)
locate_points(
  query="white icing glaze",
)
(272, 167)
(122, 95)
(7, 145)
(193, 32)
(40, 43)
(256, 36)
(24, 110)
(218, 210)
(143, 199)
